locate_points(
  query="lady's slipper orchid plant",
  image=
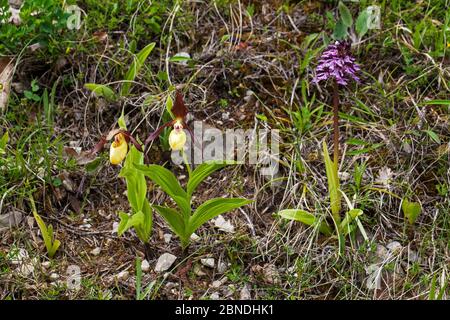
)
(184, 220)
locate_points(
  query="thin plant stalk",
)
(186, 162)
(336, 123)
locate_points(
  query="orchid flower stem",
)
(186, 162)
(336, 123)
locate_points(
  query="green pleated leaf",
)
(333, 184)
(202, 172)
(135, 67)
(361, 25)
(211, 209)
(346, 15)
(101, 90)
(306, 218)
(173, 219)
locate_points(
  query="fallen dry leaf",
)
(82, 158)
(6, 73)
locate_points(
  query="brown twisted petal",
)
(103, 140)
(179, 109)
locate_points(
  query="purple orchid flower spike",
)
(337, 63)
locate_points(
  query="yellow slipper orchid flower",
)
(118, 150)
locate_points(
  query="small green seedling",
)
(142, 294)
(4, 142)
(101, 90)
(51, 243)
(32, 94)
(411, 210)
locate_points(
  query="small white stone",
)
(208, 262)
(394, 247)
(96, 251)
(46, 264)
(123, 275)
(145, 266)
(223, 225)
(344, 176)
(222, 267)
(413, 256)
(167, 237)
(102, 212)
(218, 283)
(382, 253)
(271, 274)
(198, 271)
(214, 296)
(164, 262)
(54, 276)
(68, 185)
(115, 227)
(86, 226)
(26, 269)
(194, 237)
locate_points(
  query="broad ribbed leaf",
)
(135, 68)
(306, 218)
(213, 208)
(333, 185)
(144, 230)
(345, 13)
(56, 245)
(201, 173)
(163, 178)
(136, 184)
(123, 223)
(126, 223)
(44, 232)
(51, 244)
(101, 90)
(185, 206)
(173, 219)
(340, 30)
(362, 25)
